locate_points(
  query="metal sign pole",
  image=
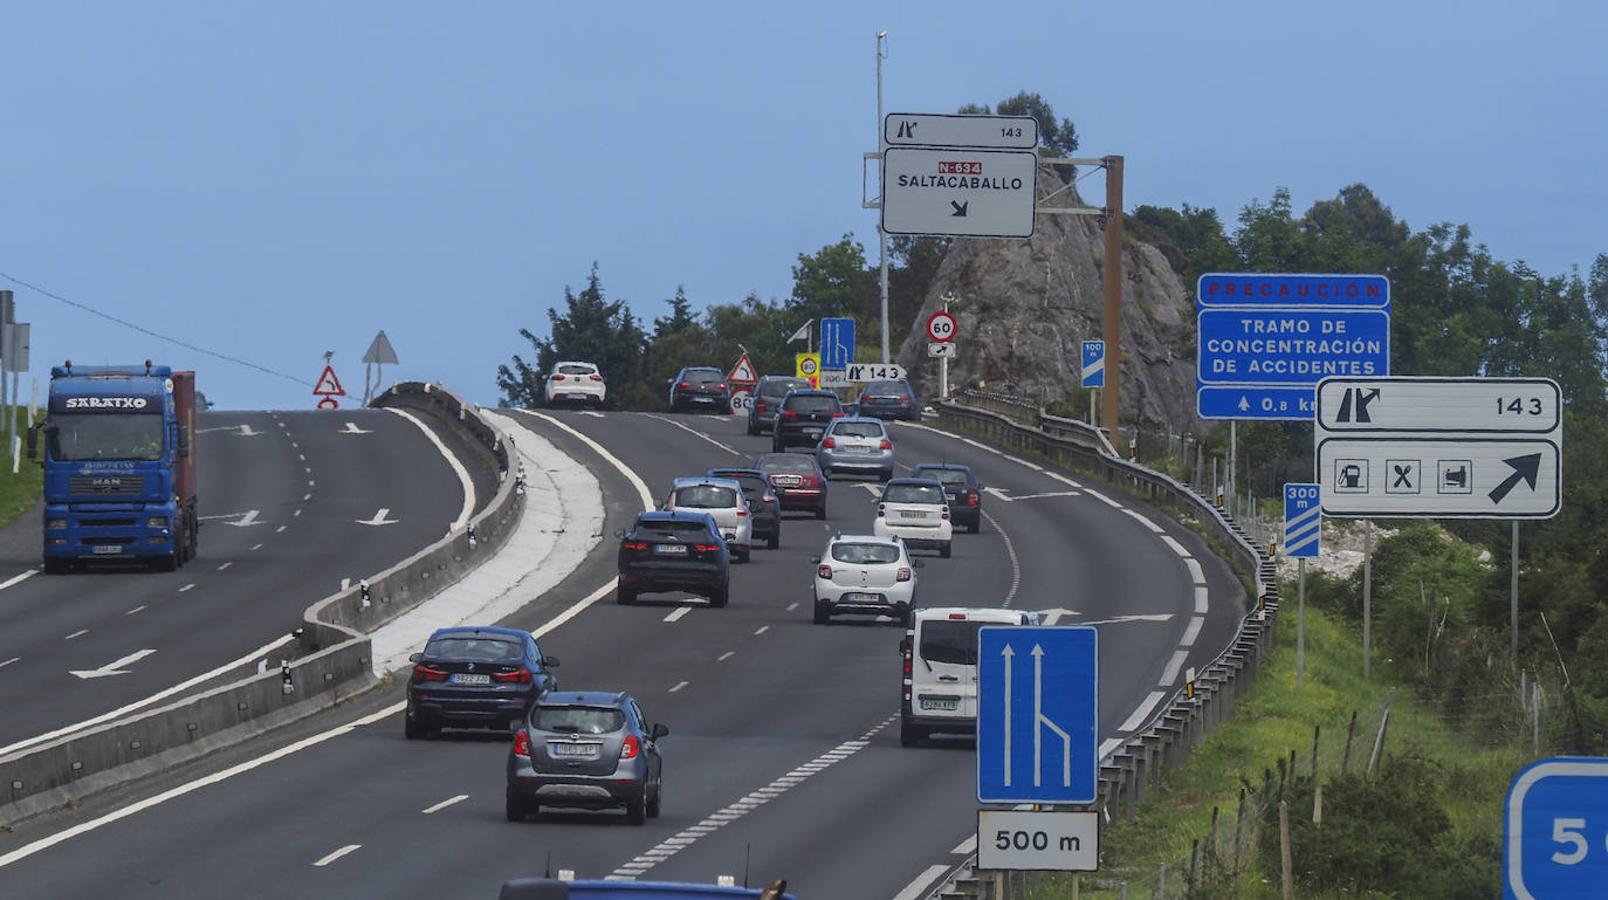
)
(1300, 622)
(1233, 456)
(1112, 324)
(882, 235)
(1367, 598)
(1513, 591)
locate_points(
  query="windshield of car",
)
(577, 719)
(813, 403)
(701, 376)
(948, 477)
(704, 496)
(789, 463)
(913, 493)
(686, 531)
(93, 436)
(479, 648)
(865, 554)
(949, 641)
(575, 370)
(780, 386)
(752, 485)
(887, 389)
(857, 429)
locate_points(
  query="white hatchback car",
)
(576, 382)
(916, 510)
(862, 574)
(722, 499)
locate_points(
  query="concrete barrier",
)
(332, 655)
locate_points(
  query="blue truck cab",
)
(119, 460)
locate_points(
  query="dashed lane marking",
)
(135, 610)
(1157, 529)
(1200, 599)
(10, 661)
(1170, 676)
(1196, 574)
(337, 855)
(1143, 712)
(761, 630)
(675, 614)
(1193, 631)
(725, 656)
(792, 606)
(79, 633)
(18, 578)
(1177, 548)
(281, 529)
(679, 686)
(225, 565)
(695, 432)
(1103, 498)
(188, 587)
(435, 808)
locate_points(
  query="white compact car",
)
(916, 510)
(576, 382)
(862, 574)
(722, 499)
(940, 669)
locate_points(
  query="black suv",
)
(961, 487)
(674, 551)
(700, 387)
(768, 395)
(802, 418)
(890, 400)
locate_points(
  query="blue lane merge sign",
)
(837, 343)
(1094, 364)
(1555, 832)
(1037, 714)
(1291, 347)
(1301, 521)
(1258, 289)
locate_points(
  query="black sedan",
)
(964, 493)
(586, 750)
(700, 387)
(890, 400)
(765, 506)
(674, 551)
(475, 677)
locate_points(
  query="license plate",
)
(937, 703)
(108, 548)
(788, 481)
(573, 751)
(860, 597)
(670, 549)
(812, 432)
(859, 449)
(468, 678)
(915, 515)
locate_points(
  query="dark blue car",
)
(674, 551)
(476, 677)
(890, 400)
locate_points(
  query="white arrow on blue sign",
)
(1094, 364)
(1302, 520)
(1037, 714)
(837, 343)
(1555, 832)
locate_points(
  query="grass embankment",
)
(18, 492)
(1275, 718)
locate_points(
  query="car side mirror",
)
(816, 560)
(550, 662)
(184, 441)
(918, 563)
(660, 730)
(415, 657)
(33, 442)
(619, 532)
(904, 646)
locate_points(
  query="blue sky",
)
(272, 180)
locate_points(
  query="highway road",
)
(784, 755)
(285, 497)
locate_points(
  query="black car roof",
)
(479, 631)
(812, 392)
(918, 481)
(728, 471)
(957, 467)
(584, 698)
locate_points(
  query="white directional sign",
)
(939, 130)
(876, 372)
(960, 192)
(833, 378)
(938, 350)
(1024, 840)
(1487, 448)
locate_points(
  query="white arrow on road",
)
(997, 492)
(1009, 654)
(241, 430)
(1051, 616)
(111, 668)
(1122, 620)
(250, 518)
(379, 518)
(351, 428)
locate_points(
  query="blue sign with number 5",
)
(1555, 836)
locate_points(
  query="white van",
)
(940, 669)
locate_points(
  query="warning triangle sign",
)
(328, 385)
(743, 372)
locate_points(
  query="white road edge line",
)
(1200, 599)
(611, 459)
(1108, 745)
(337, 854)
(18, 578)
(1195, 571)
(695, 432)
(1177, 548)
(675, 614)
(1143, 712)
(1170, 676)
(1193, 631)
(918, 888)
(1157, 529)
(964, 848)
(452, 460)
(1010, 550)
(444, 804)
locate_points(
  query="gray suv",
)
(586, 750)
(768, 395)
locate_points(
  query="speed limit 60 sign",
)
(941, 327)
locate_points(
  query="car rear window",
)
(865, 554)
(704, 496)
(858, 429)
(913, 493)
(576, 370)
(687, 531)
(948, 641)
(945, 476)
(780, 387)
(788, 464)
(813, 403)
(488, 649)
(577, 719)
(753, 485)
(887, 389)
(703, 377)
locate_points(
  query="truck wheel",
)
(167, 563)
(54, 566)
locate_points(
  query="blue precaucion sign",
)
(1094, 364)
(1263, 289)
(1555, 832)
(1037, 714)
(1302, 520)
(837, 343)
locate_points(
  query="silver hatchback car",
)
(856, 444)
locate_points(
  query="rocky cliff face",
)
(1024, 307)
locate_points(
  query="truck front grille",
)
(107, 485)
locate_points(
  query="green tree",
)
(833, 281)
(591, 329)
(1057, 137)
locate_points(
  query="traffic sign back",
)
(1302, 520)
(1037, 714)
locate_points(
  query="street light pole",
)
(882, 236)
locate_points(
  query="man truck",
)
(119, 459)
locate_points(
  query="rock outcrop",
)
(1024, 307)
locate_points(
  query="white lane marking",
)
(115, 667)
(351, 428)
(1170, 676)
(964, 848)
(918, 888)
(1063, 479)
(675, 614)
(281, 529)
(141, 704)
(311, 483)
(1108, 745)
(346, 583)
(1143, 712)
(695, 432)
(725, 656)
(1103, 498)
(10, 661)
(1150, 525)
(1124, 620)
(256, 546)
(303, 458)
(742, 806)
(306, 497)
(630, 476)
(307, 469)
(188, 587)
(792, 606)
(761, 630)
(225, 565)
(1195, 571)
(296, 514)
(564, 616)
(1022, 462)
(1010, 549)
(1193, 631)
(337, 854)
(18, 578)
(595, 415)
(79, 633)
(1200, 599)
(444, 804)
(679, 686)
(1177, 548)
(452, 460)
(380, 518)
(135, 610)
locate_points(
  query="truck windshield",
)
(79, 437)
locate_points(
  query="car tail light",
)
(684, 385)
(882, 510)
(722, 388)
(971, 498)
(788, 415)
(518, 676)
(907, 662)
(829, 443)
(630, 747)
(522, 740)
(903, 574)
(636, 545)
(706, 548)
(759, 406)
(824, 572)
(423, 672)
(595, 377)
(742, 513)
(887, 444)
(558, 378)
(839, 415)
(944, 514)
(809, 481)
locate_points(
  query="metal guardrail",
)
(1190, 713)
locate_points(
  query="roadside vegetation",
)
(19, 492)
